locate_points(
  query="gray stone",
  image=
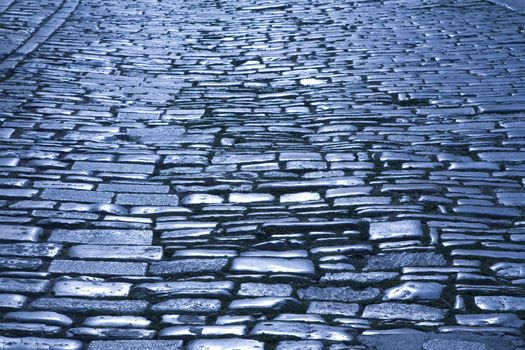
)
(135, 345)
(414, 312)
(105, 268)
(32, 343)
(77, 195)
(187, 266)
(225, 344)
(272, 265)
(20, 233)
(395, 230)
(500, 303)
(279, 329)
(88, 305)
(102, 236)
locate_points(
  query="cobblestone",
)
(262, 175)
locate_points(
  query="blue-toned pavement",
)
(262, 175)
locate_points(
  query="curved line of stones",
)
(49, 26)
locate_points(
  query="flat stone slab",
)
(114, 167)
(47, 317)
(500, 303)
(225, 344)
(117, 252)
(102, 236)
(392, 261)
(414, 312)
(32, 343)
(395, 230)
(93, 289)
(272, 265)
(188, 305)
(333, 308)
(338, 294)
(23, 285)
(414, 290)
(79, 305)
(299, 330)
(20, 233)
(185, 266)
(77, 195)
(47, 250)
(193, 288)
(135, 345)
(147, 199)
(12, 301)
(105, 268)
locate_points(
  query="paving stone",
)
(30, 249)
(436, 344)
(299, 197)
(91, 289)
(135, 344)
(185, 266)
(201, 198)
(333, 308)
(263, 290)
(199, 331)
(414, 312)
(364, 278)
(20, 264)
(23, 285)
(116, 252)
(27, 343)
(338, 294)
(113, 167)
(186, 305)
(117, 322)
(77, 195)
(393, 261)
(20, 233)
(147, 199)
(262, 303)
(223, 344)
(395, 230)
(107, 268)
(133, 188)
(12, 301)
(29, 328)
(110, 333)
(164, 289)
(18, 193)
(300, 345)
(100, 236)
(47, 317)
(414, 290)
(88, 305)
(272, 265)
(500, 303)
(492, 319)
(511, 199)
(279, 329)
(250, 197)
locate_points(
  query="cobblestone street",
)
(262, 175)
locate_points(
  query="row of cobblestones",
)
(257, 175)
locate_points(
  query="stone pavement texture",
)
(305, 174)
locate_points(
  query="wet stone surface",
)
(262, 175)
